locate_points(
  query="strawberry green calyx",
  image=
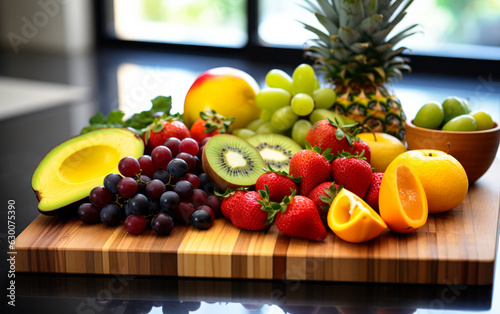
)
(230, 192)
(283, 173)
(349, 131)
(327, 153)
(349, 155)
(331, 192)
(214, 121)
(157, 125)
(273, 208)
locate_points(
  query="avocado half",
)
(72, 169)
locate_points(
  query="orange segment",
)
(402, 199)
(352, 220)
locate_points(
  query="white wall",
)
(53, 26)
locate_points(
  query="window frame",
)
(256, 51)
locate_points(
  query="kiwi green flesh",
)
(231, 162)
(276, 150)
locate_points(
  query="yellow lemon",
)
(383, 147)
(402, 200)
(352, 220)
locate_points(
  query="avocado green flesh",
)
(73, 168)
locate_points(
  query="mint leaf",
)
(162, 104)
(138, 121)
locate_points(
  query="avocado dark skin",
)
(69, 210)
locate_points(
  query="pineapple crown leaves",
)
(214, 121)
(283, 173)
(349, 131)
(230, 192)
(273, 208)
(326, 153)
(331, 192)
(356, 44)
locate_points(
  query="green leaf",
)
(308, 146)
(330, 27)
(348, 35)
(97, 119)
(162, 104)
(329, 11)
(371, 24)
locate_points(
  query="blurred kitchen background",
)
(103, 54)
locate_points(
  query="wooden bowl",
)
(474, 150)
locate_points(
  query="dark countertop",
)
(109, 78)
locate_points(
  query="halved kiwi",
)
(277, 150)
(231, 162)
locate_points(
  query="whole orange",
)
(443, 177)
(230, 92)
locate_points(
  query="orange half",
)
(402, 200)
(352, 220)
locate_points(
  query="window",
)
(455, 28)
(451, 28)
(190, 22)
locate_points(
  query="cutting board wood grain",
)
(456, 247)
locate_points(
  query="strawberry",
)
(330, 134)
(359, 147)
(158, 132)
(279, 184)
(312, 166)
(353, 172)
(248, 213)
(230, 199)
(210, 124)
(297, 216)
(371, 197)
(323, 196)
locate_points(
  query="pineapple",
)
(357, 58)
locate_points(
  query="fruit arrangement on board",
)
(453, 114)
(299, 154)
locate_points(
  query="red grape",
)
(191, 177)
(184, 212)
(147, 167)
(173, 144)
(204, 141)
(161, 156)
(100, 196)
(129, 166)
(155, 188)
(135, 224)
(199, 198)
(127, 187)
(189, 145)
(214, 202)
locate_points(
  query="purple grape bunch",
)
(162, 189)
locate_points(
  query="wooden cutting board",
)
(457, 247)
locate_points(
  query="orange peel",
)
(352, 219)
